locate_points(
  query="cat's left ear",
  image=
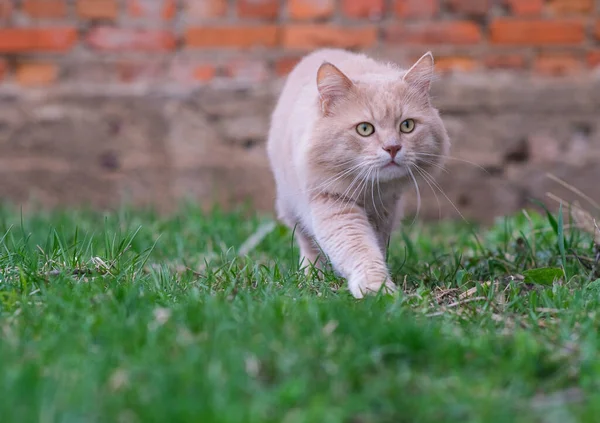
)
(333, 85)
(421, 73)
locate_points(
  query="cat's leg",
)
(386, 221)
(310, 255)
(346, 236)
(309, 252)
(383, 237)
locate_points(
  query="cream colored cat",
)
(347, 138)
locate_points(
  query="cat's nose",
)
(393, 150)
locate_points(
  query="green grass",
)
(133, 317)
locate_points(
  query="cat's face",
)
(381, 129)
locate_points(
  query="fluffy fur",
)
(341, 191)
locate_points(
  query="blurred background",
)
(150, 102)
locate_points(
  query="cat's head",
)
(380, 125)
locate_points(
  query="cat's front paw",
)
(361, 286)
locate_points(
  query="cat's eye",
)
(407, 126)
(365, 129)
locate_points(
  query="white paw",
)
(361, 287)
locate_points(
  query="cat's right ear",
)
(421, 73)
(332, 84)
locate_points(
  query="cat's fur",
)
(338, 190)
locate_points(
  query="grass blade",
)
(561, 240)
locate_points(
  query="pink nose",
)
(393, 150)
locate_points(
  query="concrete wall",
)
(67, 147)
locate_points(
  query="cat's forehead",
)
(384, 96)
(380, 78)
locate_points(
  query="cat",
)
(347, 137)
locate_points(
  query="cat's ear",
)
(332, 84)
(421, 73)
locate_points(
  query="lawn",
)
(134, 317)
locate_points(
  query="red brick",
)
(470, 7)
(372, 9)
(3, 69)
(134, 71)
(204, 73)
(597, 30)
(450, 32)
(446, 64)
(505, 61)
(536, 32)
(565, 7)
(232, 36)
(593, 58)
(268, 9)
(285, 65)
(36, 74)
(243, 70)
(557, 64)
(163, 9)
(97, 9)
(416, 8)
(205, 9)
(187, 72)
(45, 8)
(15, 40)
(314, 35)
(128, 71)
(122, 39)
(310, 9)
(525, 7)
(6, 8)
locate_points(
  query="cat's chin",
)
(391, 172)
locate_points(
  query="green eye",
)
(407, 126)
(365, 129)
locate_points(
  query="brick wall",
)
(199, 41)
(115, 114)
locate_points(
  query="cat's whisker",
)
(427, 175)
(437, 199)
(345, 165)
(434, 164)
(363, 186)
(359, 187)
(356, 179)
(373, 194)
(379, 193)
(341, 164)
(373, 197)
(342, 197)
(453, 158)
(418, 196)
(347, 173)
(367, 179)
(335, 178)
(326, 186)
(356, 183)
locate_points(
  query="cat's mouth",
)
(392, 170)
